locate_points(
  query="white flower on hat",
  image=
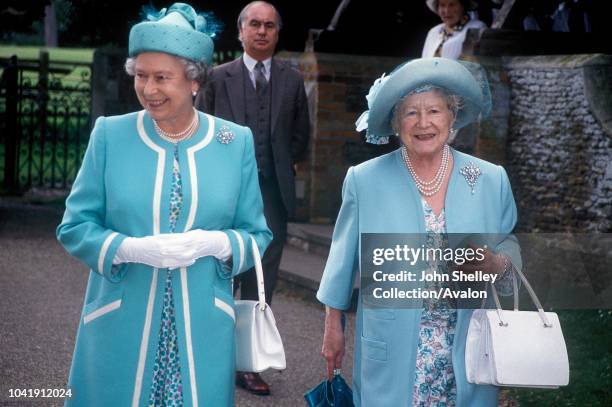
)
(362, 122)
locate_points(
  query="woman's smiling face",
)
(162, 87)
(424, 121)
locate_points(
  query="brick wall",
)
(336, 86)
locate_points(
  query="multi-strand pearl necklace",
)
(429, 188)
(181, 135)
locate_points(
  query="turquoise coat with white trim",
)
(379, 196)
(123, 189)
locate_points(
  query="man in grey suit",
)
(268, 96)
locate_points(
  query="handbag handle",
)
(261, 289)
(531, 292)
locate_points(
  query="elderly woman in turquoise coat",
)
(415, 356)
(164, 213)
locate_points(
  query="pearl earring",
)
(194, 93)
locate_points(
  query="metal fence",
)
(46, 114)
(44, 121)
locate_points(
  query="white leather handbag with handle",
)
(258, 344)
(516, 348)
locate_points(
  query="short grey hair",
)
(242, 15)
(453, 101)
(194, 71)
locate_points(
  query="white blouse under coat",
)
(453, 46)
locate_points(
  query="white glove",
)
(160, 251)
(201, 243)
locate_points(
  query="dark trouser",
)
(276, 216)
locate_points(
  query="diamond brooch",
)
(225, 135)
(471, 173)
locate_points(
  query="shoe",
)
(253, 383)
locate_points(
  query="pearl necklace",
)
(429, 188)
(181, 135)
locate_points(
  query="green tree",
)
(21, 19)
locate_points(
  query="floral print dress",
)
(167, 389)
(434, 383)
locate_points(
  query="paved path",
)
(41, 292)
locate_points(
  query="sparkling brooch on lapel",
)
(225, 135)
(471, 173)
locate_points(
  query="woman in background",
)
(446, 39)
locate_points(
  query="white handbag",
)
(258, 344)
(516, 348)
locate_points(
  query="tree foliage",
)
(19, 16)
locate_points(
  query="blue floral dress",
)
(434, 383)
(167, 388)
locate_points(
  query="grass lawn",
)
(55, 54)
(588, 336)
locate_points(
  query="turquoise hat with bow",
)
(176, 30)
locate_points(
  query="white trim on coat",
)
(146, 331)
(187, 317)
(159, 176)
(144, 343)
(101, 311)
(225, 307)
(190, 220)
(104, 250)
(193, 173)
(241, 247)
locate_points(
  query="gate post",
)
(43, 97)
(10, 78)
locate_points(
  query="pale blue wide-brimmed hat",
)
(176, 30)
(465, 79)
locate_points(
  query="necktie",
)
(260, 78)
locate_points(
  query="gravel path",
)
(41, 293)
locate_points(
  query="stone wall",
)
(493, 135)
(560, 150)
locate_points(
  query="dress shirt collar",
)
(250, 62)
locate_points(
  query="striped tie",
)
(260, 78)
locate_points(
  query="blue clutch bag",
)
(334, 393)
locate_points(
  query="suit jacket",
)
(223, 97)
(379, 196)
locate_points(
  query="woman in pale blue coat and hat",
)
(164, 212)
(415, 356)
